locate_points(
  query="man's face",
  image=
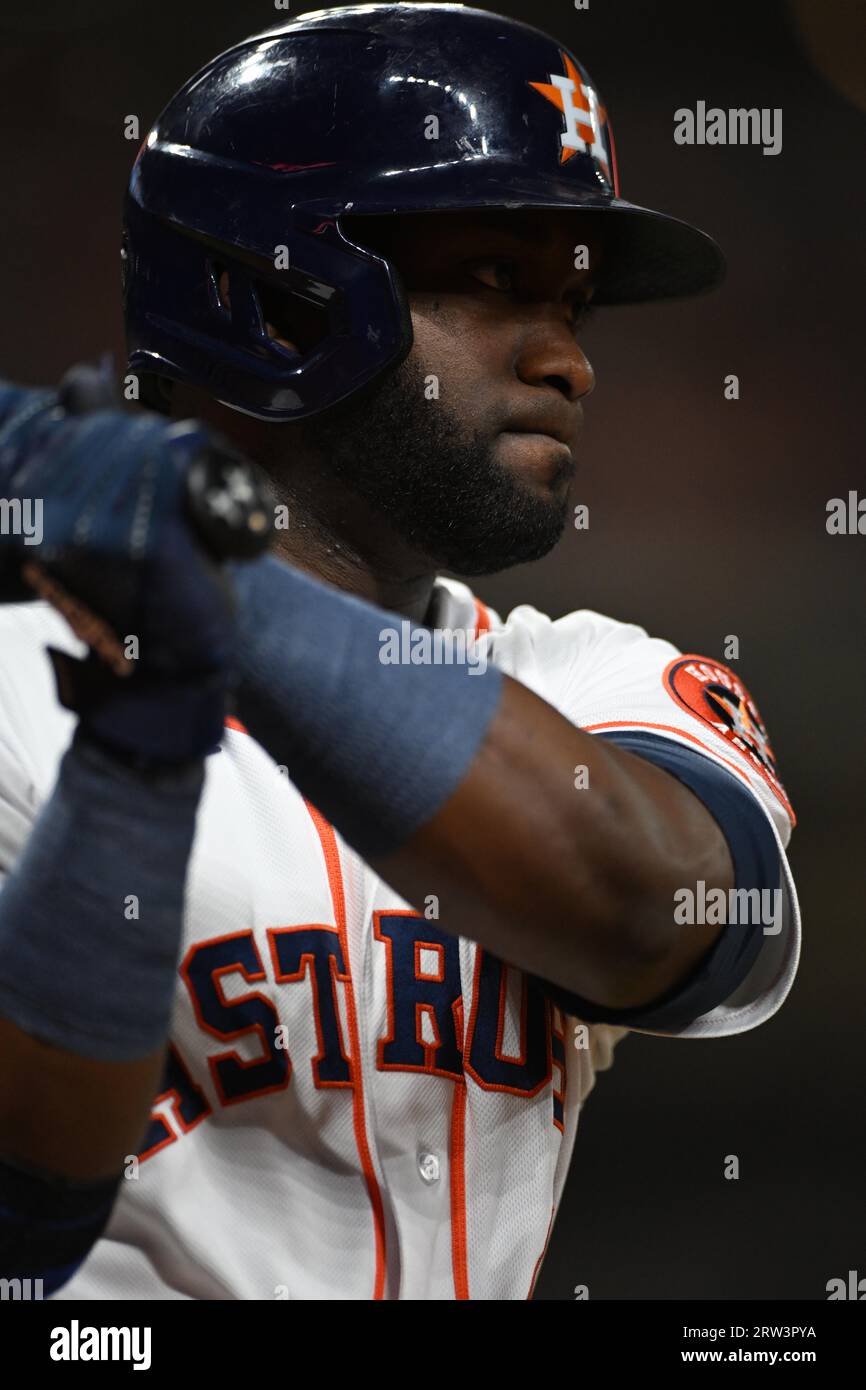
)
(469, 446)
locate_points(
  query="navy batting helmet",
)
(254, 166)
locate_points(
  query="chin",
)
(491, 554)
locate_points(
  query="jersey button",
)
(428, 1167)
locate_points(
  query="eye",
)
(582, 311)
(500, 274)
(495, 274)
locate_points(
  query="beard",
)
(436, 482)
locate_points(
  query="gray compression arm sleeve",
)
(377, 747)
(91, 915)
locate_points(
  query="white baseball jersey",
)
(357, 1104)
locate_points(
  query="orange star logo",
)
(583, 114)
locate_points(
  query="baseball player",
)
(327, 889)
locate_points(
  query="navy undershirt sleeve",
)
(755, 857)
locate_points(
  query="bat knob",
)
(229, 503)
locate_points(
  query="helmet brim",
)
(646, 255)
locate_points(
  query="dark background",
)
(707, 518)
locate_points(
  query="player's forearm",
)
(68, 1114)
(461, 786)
(90, 931)
(574, 885)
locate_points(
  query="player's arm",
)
(574, 886)
(85, 999)
(460, 784)
(91, 913)
(90, 928)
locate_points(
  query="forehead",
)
(456, 233)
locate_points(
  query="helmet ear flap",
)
(259, 308)
(357, 231)
(276, 343)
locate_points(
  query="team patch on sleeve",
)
(717, 697)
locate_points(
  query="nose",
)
(548, 355)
